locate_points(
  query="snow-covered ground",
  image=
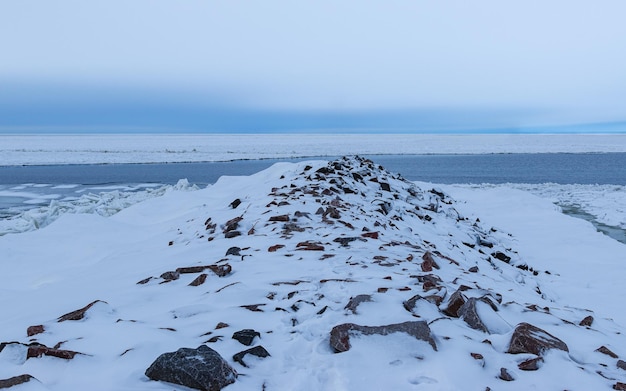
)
(295, 271)
(142, 148)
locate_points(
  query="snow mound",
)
(339, 275)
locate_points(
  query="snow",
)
(87, 255)
(143, 148)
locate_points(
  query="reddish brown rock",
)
(34, 330)
(42, 350)
(170, 276)
(275, 247)
(604, 350)
(527, 338)
(79, 313)
(454, 304)
(310, 246)
(621, 364)
(232, 224)
(619, 386)
(587, 321)
(15, 380)
(190, 269)
(221, 270)
(371, 235)
(198, 280)
(340, 335)
(428, 262)
(531, 364)
(505, 375)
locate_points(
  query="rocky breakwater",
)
(333, 266)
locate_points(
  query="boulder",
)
(587, 321)
(201, 369)
(340, 335)
(34, 330)
(78, 314)
(527, 338)
(454, 304)
(355, 301)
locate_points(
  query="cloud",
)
(561, 58)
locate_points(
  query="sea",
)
(28, 187)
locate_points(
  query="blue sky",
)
(241, 66)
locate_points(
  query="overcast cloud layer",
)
(196, 64)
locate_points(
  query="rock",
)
(15, 380)
(232, 224)
(428, 262)
(473, 269)
(531, 364)
(501, 256)
(454, 304)
(232, 234)
(505, 375)
(469, 314)
(79, 313)
(385, 186)
(346, 241)
(309, 246)
(233, 251)
(201, 369)
(604, 350)
(275, 248)
(340, 335)
(621, 364)
(170, 276)
(190, 269)
(235, 203)
(246, 336)
(283, 218)
(587, 321)
(221, 270)
(198, 280)
(37, 350)
(527, 338)
(371, 235)
(258, 351)
(355, 301)
(619, 386)
(34, 330)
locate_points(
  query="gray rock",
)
(531, 339)
(258, 351)
(340, 335)
(246, 336)
(201, 369)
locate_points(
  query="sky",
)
(280, 65)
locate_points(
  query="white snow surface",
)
(161, 148)
(298, 296)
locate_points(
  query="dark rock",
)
(198, 280)
(355, 301)
(531, 364)
(473, 269)
(527, 338)
(340, 335)
(190, 269)
(34, 330)
(371, 235)
(258, 351)
(246, 336)
(170, 276)
(505, 375)
(283, 218)
(235, 203)
(232, 234)
(587, 321)
(144, 281)
(501, 256)
(201, 369)
(619, 386)
(79, 313)
(14, 381)
(604, 350)
(233, 251)
(469, 314)
(385, 186)
(621, 364)
(454, 304)
(345, 241)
